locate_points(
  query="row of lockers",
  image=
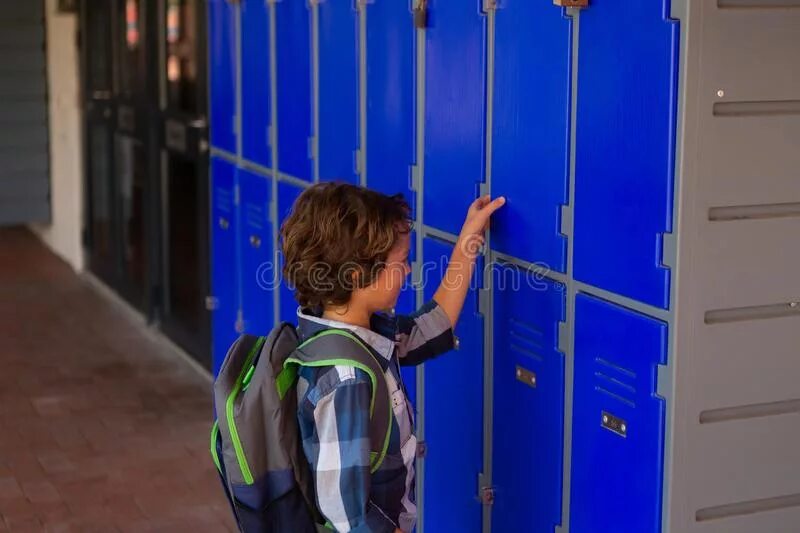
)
(617, 451)
(624, 118)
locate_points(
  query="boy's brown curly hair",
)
(335, 230)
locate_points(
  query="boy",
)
(346, 254)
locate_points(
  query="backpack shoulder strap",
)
(335, 347)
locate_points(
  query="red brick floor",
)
(102, 427)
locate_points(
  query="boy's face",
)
(385, 290)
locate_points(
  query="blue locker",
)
(391, 111)
(255, 242)
(293, 36)
(256, 92)
(454, 109)
(454, 410)
(287, 194)
(224, 264)
(528, 401)
(618, 421)
(530, 149)
(338, 90)
(222, 73)
(625, 153)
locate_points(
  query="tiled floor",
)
(102, 428)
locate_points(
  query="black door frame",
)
(156, 126)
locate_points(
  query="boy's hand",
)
(477, 221)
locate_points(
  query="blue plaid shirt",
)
(333, 414)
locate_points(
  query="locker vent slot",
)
(757, 109)
(615, 396)
(758, 312)
(758, 4)
(525, 339)
(744, 412)
(615, 381)
(748, 507)
(752, 212)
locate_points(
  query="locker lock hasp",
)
(571, 3)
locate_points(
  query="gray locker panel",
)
(724, 357)
(745, 460)
(750, 160)
(739, 126)
(749, 262)
(754, 51)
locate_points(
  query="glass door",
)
(184, 176)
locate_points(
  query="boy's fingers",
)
(494, 205)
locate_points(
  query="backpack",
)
(255, 440)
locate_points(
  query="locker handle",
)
(223, 223)
(255, 241)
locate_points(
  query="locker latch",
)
(421, 14)
(571, 3)
(487, 495)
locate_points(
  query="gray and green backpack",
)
(255, 441)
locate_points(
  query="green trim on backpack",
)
(376, 459)
(229, 405)
(214, 433)
(285, 380)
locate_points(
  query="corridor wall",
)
(584, 394)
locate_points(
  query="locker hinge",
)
(422, 449)
(312, 147)
(566, 221)
(563, 337)
(236, 194)
(485, 490)
(212, 303)
(571, 3)
(421, 14)
(669, 249)
(270, 136)
(239, 326)
(413, 178)
(358, 164)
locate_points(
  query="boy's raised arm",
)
(453, 290)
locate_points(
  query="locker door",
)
(256, 92)
(528, 408)
(617, 468)
(338, 90)
(294, 88)
(625, 153)
(287, 194)
(454, 110)
(255, 243)
(222, 73)
(454, 415)
(530, 133)
(390, 96)
(224, 264)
